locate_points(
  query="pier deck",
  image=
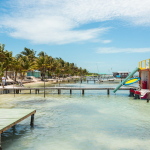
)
(10, 117)
(19, 89)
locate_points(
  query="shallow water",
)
(94, 121)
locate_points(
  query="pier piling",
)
(107, 91)
(70, 91)
(148, 97)
(59, 91)
(32, 120)
(0, 143)
(82, 92)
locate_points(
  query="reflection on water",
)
(74, 122)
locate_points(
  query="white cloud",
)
(49, 21)
(106, 41)
(106, 50)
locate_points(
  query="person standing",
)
(3, 81)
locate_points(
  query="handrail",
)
(144, 64)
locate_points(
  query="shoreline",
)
(38, 81)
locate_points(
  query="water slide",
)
(125, 80)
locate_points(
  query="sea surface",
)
(93, 121)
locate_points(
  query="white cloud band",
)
(49, 21)
(109, 50)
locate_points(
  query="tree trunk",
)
(6, 73)
(15, 76)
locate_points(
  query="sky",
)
(102, 36)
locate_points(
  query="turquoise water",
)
(94, 121)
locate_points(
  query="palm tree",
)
(31, 56)
(2, 53)
(29, 53)
(1, 70)
(8, 60)
(42, 64)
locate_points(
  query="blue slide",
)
(125, 80)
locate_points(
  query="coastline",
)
(38, 81)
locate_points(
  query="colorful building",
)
(144, 83)
(35, 73)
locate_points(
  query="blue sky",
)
(101, 36)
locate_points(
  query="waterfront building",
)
(121, 74)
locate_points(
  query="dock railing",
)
(144, 64)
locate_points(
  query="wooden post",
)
(70, 91)
(59, 91)
(81, 80)
(38, 91)
(87, 81)
(0, 143)
(94, 81)
(30, 91)
(44, 83)
(148, 97)
(14, 129)
(68, 81)
(82, 92)
(17, 91)
(107, 91)
(32, 120)
(140, 78)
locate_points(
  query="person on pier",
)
(3, 81)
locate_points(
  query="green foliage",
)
(1, 71)
(27, 61)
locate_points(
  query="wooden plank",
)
(10, 117)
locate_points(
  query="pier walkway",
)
(10, 117)
(18, 90)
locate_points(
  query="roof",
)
(122, 72)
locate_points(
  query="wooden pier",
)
(10, 117)
(17, 90)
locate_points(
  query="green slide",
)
(124, 81)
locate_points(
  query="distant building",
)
(121, 74)
(35, 73)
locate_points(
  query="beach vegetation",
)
(27, 60)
